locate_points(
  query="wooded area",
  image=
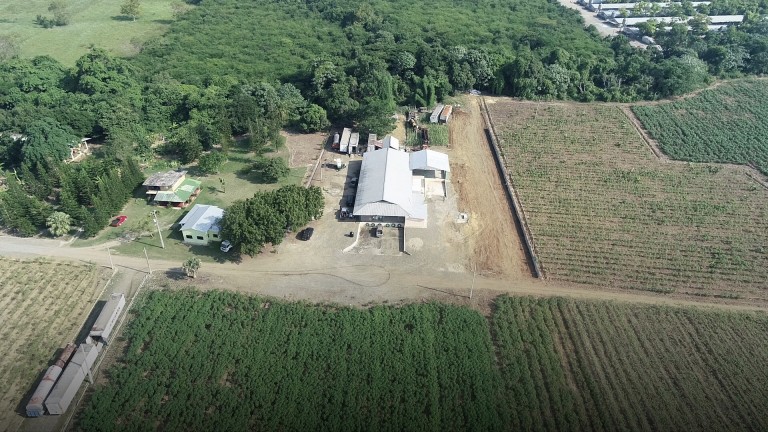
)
(304, 65)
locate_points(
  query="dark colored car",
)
(118, 221)
(306, 233)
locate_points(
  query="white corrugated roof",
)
(202, 218)
(429, 160)
(390, 141)
(385, 178)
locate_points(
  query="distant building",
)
(201, 225)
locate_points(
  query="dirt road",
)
(591, 19)
(494, 241)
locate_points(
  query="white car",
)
(226, 245)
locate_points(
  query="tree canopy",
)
(262, 219)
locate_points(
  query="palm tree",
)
(191, 266)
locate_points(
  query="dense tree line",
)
(90, 193)
(363, 59)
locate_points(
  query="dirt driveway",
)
(496, 247)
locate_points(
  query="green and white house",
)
(201, 225)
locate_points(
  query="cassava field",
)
(42, 307)
(225, 361)
(728, 123)
(602, 209)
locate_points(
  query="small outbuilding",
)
(201, 225)
(391, 142)
(429, 163)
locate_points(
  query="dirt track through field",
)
(495, 243)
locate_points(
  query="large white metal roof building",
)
(385, 187)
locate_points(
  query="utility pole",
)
(472, 289)
(111, 264)
(157, 224)
(147, 257)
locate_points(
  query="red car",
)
(118, 221)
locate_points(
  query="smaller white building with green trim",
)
(200, 225)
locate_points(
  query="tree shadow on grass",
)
(121, 18)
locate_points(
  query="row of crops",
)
(603, 210)
(223, 361)
(614, 367)
(726, 124)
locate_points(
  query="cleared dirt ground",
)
(496, 247)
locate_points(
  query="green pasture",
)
(93, 23)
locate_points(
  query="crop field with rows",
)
(42, 307)
(725, 124)
(604, 210)
(224, 361)
(576, 365)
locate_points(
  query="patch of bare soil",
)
(496, 247)
(303, 149)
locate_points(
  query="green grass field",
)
(93, 23)
(725, 124)
(604, 210)
(224, 361)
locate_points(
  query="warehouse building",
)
(392, 186)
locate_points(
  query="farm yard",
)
(223, 360)
(728, 123)
(42, 307)
(603, 210)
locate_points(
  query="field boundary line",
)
(314, 170)
(749, 170)
(512, 197)
(116, 331)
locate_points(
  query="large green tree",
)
(262, 219)
(46, 139)
(131, 9)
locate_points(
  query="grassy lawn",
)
(93, 23)
(239, 185)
